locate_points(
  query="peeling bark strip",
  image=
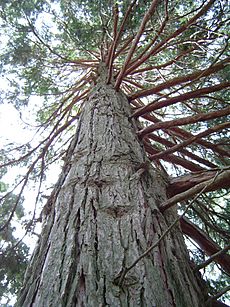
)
(104, 217)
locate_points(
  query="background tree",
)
(170, 59)
(13, 253)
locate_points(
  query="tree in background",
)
(146, 83)
(13, 253)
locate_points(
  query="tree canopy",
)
(171, 60)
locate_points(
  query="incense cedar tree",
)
(133, 102)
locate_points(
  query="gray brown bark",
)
(104, 214)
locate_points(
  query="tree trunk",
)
(103, 214)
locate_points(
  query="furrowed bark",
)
(103, 214)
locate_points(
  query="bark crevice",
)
(104, 215)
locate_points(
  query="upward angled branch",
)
(163, 24)
(185, 163)
(206, 243)
(211, 185)
(187, 142)
(212, 258)
(156, 49)
(182, 150)
(185, 121)
(182, 134)
(135, 42)
(180, 80)
(117, 36)
(181, 98)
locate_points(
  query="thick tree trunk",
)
(104, 214)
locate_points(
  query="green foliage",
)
(13, 264)
(52, 50)
(211, 213)
(13, 253)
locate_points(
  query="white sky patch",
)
(14, 130)
(11, 127)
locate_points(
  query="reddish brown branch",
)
(138, 85)
(214, 147)
(117, 36)
(151, 67)
(47, 142)
(215, 303)
(183, 183)
(212, 258)
(191, 140)
(182, 79)
(124, 47)
(154, 38)
(115, 12)
(185, 121)
(159, 46)
(183, 151)
(181, 98)
(19, 196)
(206, 243)
(212, 300)
(174, 159)
(135, 42)
(182, 134)
(210, 185)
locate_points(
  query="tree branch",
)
(191, 140)
(183, 134)
(152, 67)
(180, 30)
(135, 42)
(182, 79)
(183, 183)
(189, 165)
(163, 24)
(185, 121)
(212, 258)
(221, 178)
(205, 242)
(215, 303)
(180, 98)
(183, 151)
(117, 36)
